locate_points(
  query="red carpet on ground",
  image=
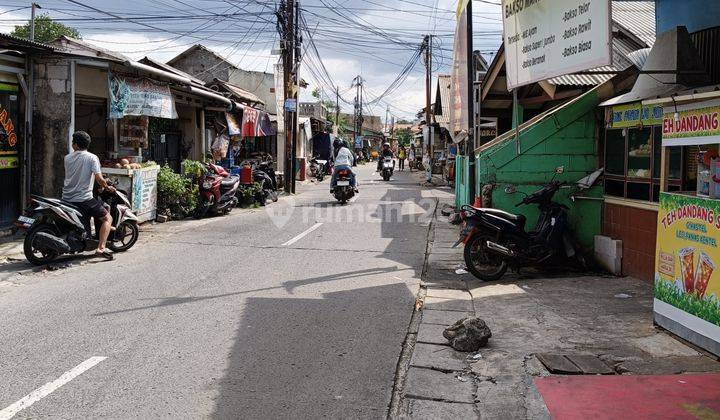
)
(692, 396)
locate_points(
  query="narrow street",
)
(261, 314)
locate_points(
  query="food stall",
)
(687, 276)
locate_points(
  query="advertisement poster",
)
(144, 194)
(700, 122)
(545, 39)
(459, 121)
(634, 115)
(130, 96)
(687, 275)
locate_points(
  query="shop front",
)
(687, 277)
(10, 152)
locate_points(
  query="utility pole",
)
(471, 140)
(287, 24)
(428, 83)
(296, 85)
(387, 126)
(33, 7)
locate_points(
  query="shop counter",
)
(141, 186)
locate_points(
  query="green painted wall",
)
(566, 137)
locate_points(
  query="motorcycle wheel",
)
(202, 209)
(386, 177)
(482, 264)
(33, 254)
(273, 195)
(124, 237)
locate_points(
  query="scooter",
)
(496, 240)
(264, 175)
(343, 191)
(56, 227)
(318, 167)
(217, 192)
(388, 167)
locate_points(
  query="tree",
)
(404, 136)
(330, 105)
(46, 30)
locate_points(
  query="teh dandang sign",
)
(691, 125)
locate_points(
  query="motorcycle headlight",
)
(207, 184)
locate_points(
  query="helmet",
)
(337, 143)
(386, 144)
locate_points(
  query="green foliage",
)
(404, 136)
(707, 309)
(192, 168)
(177, 195)
(46, 30)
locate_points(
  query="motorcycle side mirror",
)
(510, 189)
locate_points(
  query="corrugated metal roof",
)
(444, 81)
(11, 40)
(634, 17)
(238, 91)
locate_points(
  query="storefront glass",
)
(10, 178)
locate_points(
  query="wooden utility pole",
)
(428, 87)
(286, 14)
(337, 111)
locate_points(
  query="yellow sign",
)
(692, 127)
(687, 271)
(634, 115)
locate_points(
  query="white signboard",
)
(549, 38)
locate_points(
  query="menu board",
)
(687, 276)
(134, 132)
(549, 38)
(144, 194)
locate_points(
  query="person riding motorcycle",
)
(385, 152)
(343, 160)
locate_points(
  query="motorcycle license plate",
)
(343, 183)
(26, 220)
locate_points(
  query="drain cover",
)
(574, 364)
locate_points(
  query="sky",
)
(376, 39)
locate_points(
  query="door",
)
(10, 178)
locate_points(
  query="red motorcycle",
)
(217, 192)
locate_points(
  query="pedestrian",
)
(401, 157)
(411, 157)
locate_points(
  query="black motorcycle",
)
(264, 174)
(318, 168)
(343, 191)
(495, 240)
(56, 227)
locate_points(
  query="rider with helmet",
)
(385, 152)
(344, 159)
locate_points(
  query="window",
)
(633, 163)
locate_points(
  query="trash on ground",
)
(623, 296)
(525, 286)
(461, 378)
(474, 356)
(461, 271)
(468, 334)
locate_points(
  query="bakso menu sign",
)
(549, 38)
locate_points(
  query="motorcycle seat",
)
(228, 182)
(518, 219)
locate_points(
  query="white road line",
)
(300, 236)
(47, 389)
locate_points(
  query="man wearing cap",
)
(82, 170)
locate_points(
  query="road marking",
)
(300, 236)
(50, 387)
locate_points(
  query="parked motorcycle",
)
(217, 192)
(343, 191)
(496, 240)
(264, 175)
(318, 169)
(388, 167)
(56, 227)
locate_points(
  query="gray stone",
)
(662, 345)
(468, 334)
(58, 72)
(426, 409)
(431, 333)
(431, 384)
(435, 356)
(461, 305)
(443, 318)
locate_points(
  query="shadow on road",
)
(333, 357)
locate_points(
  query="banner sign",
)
(9, 162)
(130, 96)
(549, 38)
(459, 120)
(634, 115)
(687, 276)
(691, 126)
(233, 124)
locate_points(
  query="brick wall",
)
(637, 228)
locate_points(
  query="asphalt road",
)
(298, 311)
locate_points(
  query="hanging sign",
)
(692, 125)
(232, 124)
(290, 105)
(133, 132)
(549, 38)
(687, 276)
(634, 115)
(459, 120)
(129, 96)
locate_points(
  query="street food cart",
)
(687, 276)
(141, 186)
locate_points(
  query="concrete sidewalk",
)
(605, 321)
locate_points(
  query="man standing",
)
(82, 170)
